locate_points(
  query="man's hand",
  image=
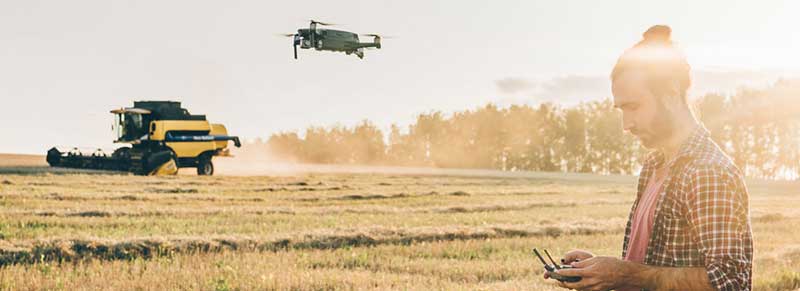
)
(573, 256)
(597, 274)
(606, 273)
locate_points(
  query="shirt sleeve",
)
(718, 208)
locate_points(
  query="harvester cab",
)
(129, 125)
(163, 137)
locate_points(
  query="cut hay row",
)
(129, 197)
(151, 213)
(327, 210)
(225, 198)
(61, 197)
(378, 196)
(70, 250)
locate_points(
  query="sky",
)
(65, 64)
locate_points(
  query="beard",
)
(659, 130)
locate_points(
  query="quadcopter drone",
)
(322, 39)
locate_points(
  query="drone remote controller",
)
(551, 269)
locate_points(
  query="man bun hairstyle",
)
(657, 34)
(665, 67)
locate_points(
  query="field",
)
(326, 230)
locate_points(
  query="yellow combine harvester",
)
(163, 137)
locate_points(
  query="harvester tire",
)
(205, 167)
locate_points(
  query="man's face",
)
(643, 115)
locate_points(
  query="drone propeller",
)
(294, 42)
(321, 23)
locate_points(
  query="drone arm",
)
(294, 44)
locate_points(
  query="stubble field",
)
(70, 230)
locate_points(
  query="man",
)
(689, 228)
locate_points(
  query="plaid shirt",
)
(702, 217)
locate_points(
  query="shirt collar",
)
(691, 147)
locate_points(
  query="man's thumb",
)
(571, 257)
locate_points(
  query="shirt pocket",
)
(679, 246)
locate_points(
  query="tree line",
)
(758, 128)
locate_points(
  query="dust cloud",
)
(251, 161)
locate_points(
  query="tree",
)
(759, 129)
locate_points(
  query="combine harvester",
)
(163, 137)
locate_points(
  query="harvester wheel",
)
(205, 167)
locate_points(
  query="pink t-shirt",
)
(642, 222)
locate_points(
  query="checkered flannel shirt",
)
(702, 217)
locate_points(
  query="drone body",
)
(322, 39)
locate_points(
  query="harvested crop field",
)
(324, 231)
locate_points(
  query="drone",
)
(322, 39)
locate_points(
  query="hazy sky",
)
(65, 64)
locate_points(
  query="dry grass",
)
(17, 160)
(338, 231)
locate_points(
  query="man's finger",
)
(580, 285)
(576, 255)
(583, 264)
(588, 285)
(563, 285)
(572, 272)
(571, 256)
